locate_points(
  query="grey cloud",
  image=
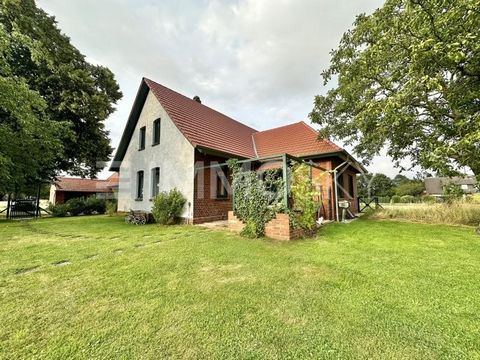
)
(257, 61)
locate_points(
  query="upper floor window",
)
(141, 139)
(156, 132)
(140, 185)
(155, 181)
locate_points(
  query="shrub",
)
(407, 199)
(395, 199)
(452, 191)
(429, 199)
(94, 205)
(412, 187)
(59, 210)
(168, 206)
(111, 207)
(384, 199)
(75, 206)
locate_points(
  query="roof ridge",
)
(196, 102)
(279, 127)
(254, 145)
(316, 133)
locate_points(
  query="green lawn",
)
(369, 289)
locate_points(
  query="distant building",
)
(436, 185)
(66, 188)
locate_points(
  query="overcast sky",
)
(258, 61)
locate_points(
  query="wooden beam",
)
(285, 181)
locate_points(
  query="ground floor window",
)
(155, 181)
(140, 185)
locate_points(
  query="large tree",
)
(408, 79)
(54, 102)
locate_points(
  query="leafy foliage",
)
(375, 185)
(111, 207)
(453, 191)
(304, 194)
(407, 199)
(78, 206)
(95, 205)
(75, 206)
(409, 79)
(255, 202)
(168, 206)
(59, 210)
(411, 187)
(53, 103)
(395, 199)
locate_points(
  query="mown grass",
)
(362, 290)
(458, 213)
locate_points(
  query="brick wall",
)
(234, 223)
(278, 228)
(206, 207)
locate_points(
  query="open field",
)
(94, 287)
(453, 214)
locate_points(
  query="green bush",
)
(59, 210)
(429, 199)
(111, 207)
(168, 206)
(384, 199)
(452, 191)
(75, 206)
(407, 199)
(94, 205)
(395, 199)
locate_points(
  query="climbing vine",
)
(305, 207)
(255, 201)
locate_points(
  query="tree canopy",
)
(408, 79)
(53, 103)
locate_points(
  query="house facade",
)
(436, 185)
(173, 141)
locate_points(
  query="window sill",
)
(222, 198)
(139, 199)
(141, 149)
(155, 144)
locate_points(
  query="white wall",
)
(174, 155)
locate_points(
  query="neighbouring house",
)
(436, 185)
(173, 141)
(66, 188)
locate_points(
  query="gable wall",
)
(174, 155)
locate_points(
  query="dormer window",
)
(156, 132)
(141, 138)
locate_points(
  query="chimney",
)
(197, 99)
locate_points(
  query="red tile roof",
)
(297, 139)
(86, 185)
(207, 128)
(204, 126)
